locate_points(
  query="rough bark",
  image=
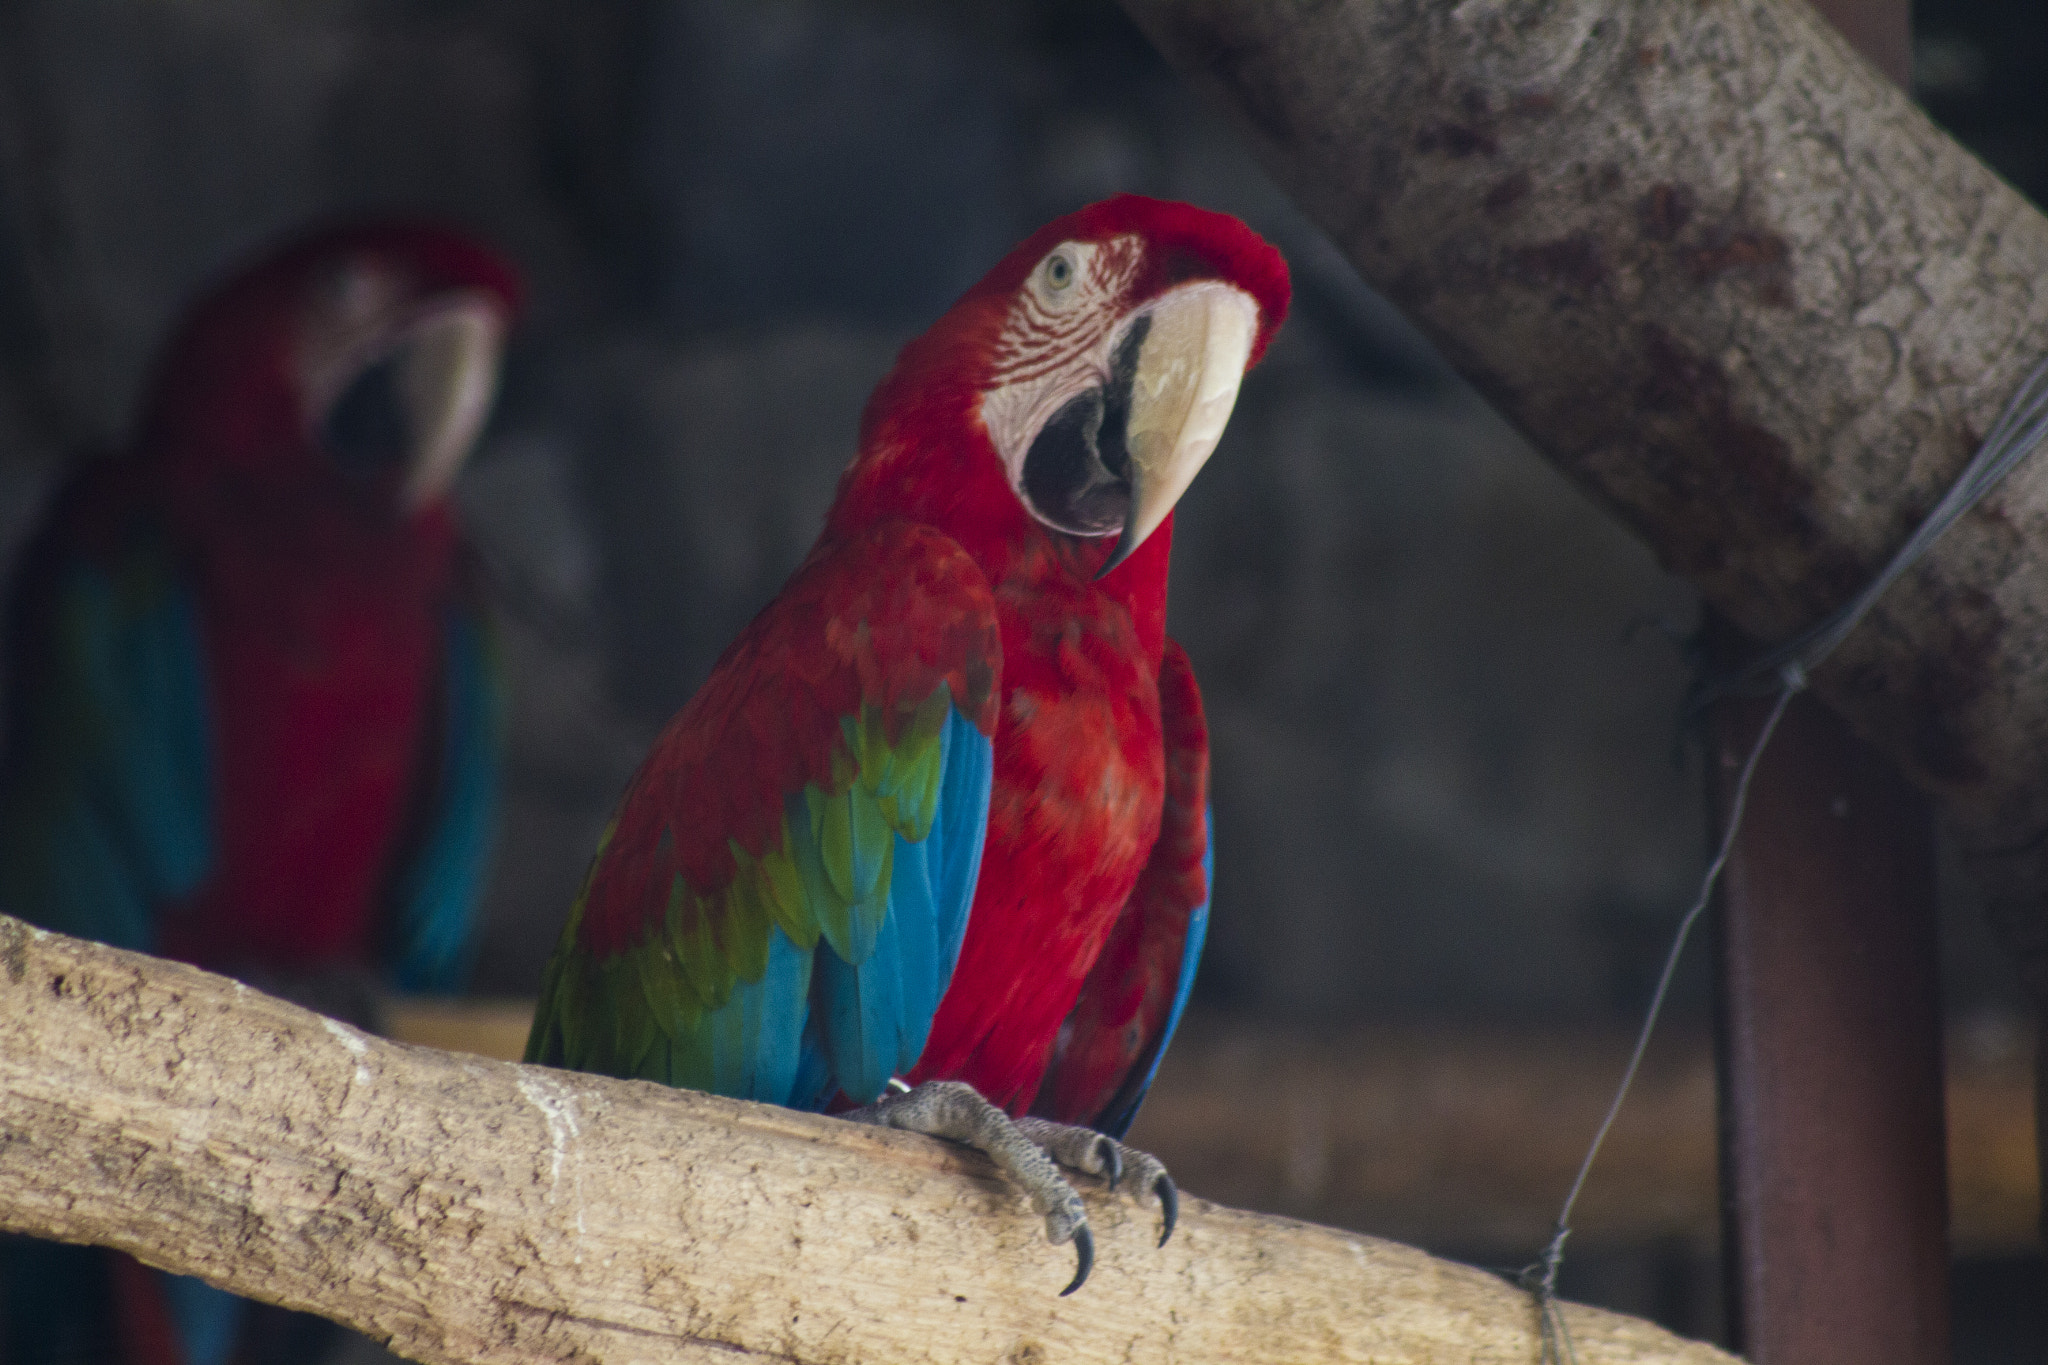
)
(1465, 1137)
(465, 1210)
(1728, 278)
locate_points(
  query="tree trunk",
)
(1728, 278)
(466, 1210)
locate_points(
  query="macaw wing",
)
(106, 797)
(779, 902)
(436, 892)
(1108, 1048)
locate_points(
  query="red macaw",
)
(939, 816)
(253, 723)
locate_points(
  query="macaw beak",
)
(446, 379)
(408, 399)
(1189, 364)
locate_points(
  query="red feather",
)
(768, 721)
(1080, 756)
(321, 604)
(1124, 1006)
(1080, 765)
(143, 1328)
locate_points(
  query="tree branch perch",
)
(1464, 1136)
(464, 1210)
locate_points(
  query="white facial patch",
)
(1057, 341)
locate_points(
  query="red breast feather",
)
(1079, 759)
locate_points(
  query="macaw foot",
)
(1025, 1150)
(1084, 1149)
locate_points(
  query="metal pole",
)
(1835, 1192)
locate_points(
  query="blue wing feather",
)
(107, 807)
(208, 1320)
(752, 1047)
(870, 1017)
(969, 765)
(437, 896)
(106, 798)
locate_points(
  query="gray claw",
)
(1169, 1204)
(1112, 1160)
(1084, 1246)
(1026, 1150)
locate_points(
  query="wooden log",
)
(1467, 1137)
(1736, 285)
(463, 1210)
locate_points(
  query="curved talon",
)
(1169, 1204)
(1112, 1160)
(1084, 1245)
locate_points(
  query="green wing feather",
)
(777, 905)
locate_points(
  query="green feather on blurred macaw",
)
(939, 816)
(253, 718)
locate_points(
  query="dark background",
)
(1450, 782)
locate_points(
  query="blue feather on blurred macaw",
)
(253, 716)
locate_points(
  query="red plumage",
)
(1108, 346)
(322, 665)
(250, 719)
(1108, 1039)
(321, 597)
(1080, 755)
(769, 718)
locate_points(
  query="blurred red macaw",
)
(939, 816)
(253, 722)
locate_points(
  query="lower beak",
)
(446, 379)
(1190, 365)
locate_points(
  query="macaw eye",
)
(1056, 281)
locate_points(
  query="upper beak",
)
(446, 380)
(1190, 365)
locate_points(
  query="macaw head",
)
(359, 361)
(1094, 370)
